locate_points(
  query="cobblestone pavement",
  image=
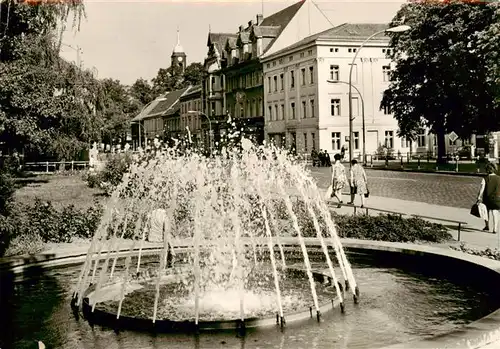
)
(437, 189)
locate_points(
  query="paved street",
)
(437, 189)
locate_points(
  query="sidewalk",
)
(472, 233)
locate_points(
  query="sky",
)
(131, 39)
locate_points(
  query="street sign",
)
(453, 136)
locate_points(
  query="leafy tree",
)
(141, 91)
(441, 80)
(116, 108)
(168, 79)
(172, 78)
(194, 74)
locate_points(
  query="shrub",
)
(6, 191)
(112, 173)
(24, 244)
(389, 227)
(487, 252)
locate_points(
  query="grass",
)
(61, 190)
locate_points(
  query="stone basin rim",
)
(477, 334)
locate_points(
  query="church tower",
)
(178, 57)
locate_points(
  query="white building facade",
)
(306, 111)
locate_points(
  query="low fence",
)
(52, 166)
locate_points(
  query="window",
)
(303, 76)
(386, 73)
(389, 139)
(334, 49)
(305, 142)
(276, 114)
(290, 58)
(354, 72)
(282, 82)
(405, 142)
(292, 79)
(421, 139)
(334, 73)
(349, 50)
(212, 81)
(335, 106)
(311, 75)
(387, 110)
(292, 111)
(313, 140)
(282, 112)
(275, 83)
(274, 64)
(335, 140)
(280, 61)
(269, 87)
(270, 115)
(302, 55)
(310, 52)
(293, 144)
(260, 108)
(304, 109)
(268, 65)
(355, 139)
(355, 106)
(213, 109)
(311, 102)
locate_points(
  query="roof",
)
(271, 26)
(191, 91)
(147, 109)
(265, 32)
(281, 19)
(346, 31)
(167, 104)
(231, 42)
(219, 39)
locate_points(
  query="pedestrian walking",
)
(339, 179)
(489, 195)
(358, 182)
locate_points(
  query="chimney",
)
(260, 18)
(242, 28)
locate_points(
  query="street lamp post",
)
(209, 126)
(397, 29)
(362, 113)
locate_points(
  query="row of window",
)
(290, 58)
(335, 73)
(273, 85)
(244, 81)
(310, 53)
(337, 140)
(275, 113)
(250, 108)
(190, 106)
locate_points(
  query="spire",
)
(178, 48)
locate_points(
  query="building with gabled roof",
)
(158, 119)
(305, 112)
(234, 84)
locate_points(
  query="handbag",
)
(367, 194)
(475, 210)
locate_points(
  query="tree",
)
(116, 108)
(141, 91)
(441, 80)
(194, 74)
(172, 78)
(167, 80)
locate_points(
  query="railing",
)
(48, 166)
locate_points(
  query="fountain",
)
(220, 259)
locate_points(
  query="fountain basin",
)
(477, 270)
(124, 322)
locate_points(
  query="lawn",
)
(61, 190)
